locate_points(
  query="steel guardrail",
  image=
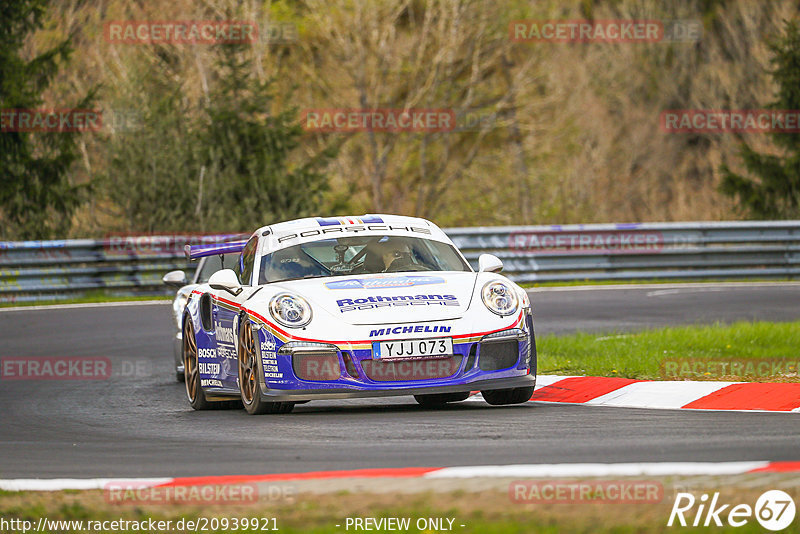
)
(45, 270)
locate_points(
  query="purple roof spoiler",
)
(198, 251)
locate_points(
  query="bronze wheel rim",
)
(190, 361)
(247, 365)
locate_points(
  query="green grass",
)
(655, 354)
(90, 297)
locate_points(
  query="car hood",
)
(381, 298)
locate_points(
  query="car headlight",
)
(290, 310)
(500, 298)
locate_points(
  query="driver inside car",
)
(393, 255)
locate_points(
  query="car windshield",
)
(359, 255)
(213, 264)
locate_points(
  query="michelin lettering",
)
(418, 329)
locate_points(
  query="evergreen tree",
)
(226, 164)
(36, 196)
(252, 175)
(775, 193)
(152, 176)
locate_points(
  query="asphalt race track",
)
(138, 424)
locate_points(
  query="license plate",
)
(412, 348)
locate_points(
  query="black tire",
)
(500, 397)
(194, 392)
(249, 383)
(180, 376)
(440, 399)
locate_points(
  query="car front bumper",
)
(295, 395)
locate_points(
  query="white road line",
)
(58, 484)
(683, 291)
(598, 470)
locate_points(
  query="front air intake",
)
(316, 367)
(315, 362)
(496, 355)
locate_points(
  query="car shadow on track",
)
(367, 407)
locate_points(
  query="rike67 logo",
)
(774, 510)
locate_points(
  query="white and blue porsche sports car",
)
(332, 308)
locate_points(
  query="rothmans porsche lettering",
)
(223, 334)
(396, 298)
(408, 330)
(369, 303)
(208, 368)
(354, 229)
(267, 346)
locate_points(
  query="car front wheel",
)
(249, 383)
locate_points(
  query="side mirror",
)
(225, 279)
(175, 279)
(489, 263)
